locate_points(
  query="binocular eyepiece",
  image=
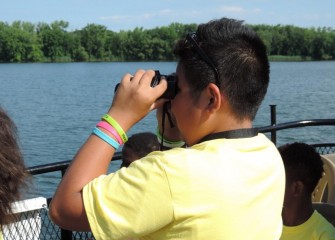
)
(171, 79)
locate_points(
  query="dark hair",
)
(240, 57)
(141, 144)
(12, 170)
(302, 163)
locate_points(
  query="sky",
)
(148, 14)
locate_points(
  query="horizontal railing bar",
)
(50, 167)
(296, 124)
(59, 166)
(323, 144)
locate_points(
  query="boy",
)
(304, 168)
(227, 184)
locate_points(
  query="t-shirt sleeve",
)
(131, 202)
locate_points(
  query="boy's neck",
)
(297, 214)
(231, 123)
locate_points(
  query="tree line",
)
(27, 42)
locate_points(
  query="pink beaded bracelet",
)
(110, 129)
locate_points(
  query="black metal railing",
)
(273, 128)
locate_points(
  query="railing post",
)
(273, 123)
(65, 234)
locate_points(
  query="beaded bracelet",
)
(167, 143)
(106, 138)
(116, 126)
(111, 130)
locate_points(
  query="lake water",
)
(56, 105)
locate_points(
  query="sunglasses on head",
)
(192, 38)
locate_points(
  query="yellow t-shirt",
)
(221, 189)
(315, 228)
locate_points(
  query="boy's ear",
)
(214, 97)
(298, 188)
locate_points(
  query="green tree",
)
(53, 38)
(93, 39)
(30, 50)
(26, 42)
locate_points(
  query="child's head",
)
(230, 54)
(138, 146)
(13, 173)
(302, 164)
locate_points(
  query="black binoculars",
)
(171, 79)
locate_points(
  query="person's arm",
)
(133, 100)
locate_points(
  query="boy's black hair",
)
(240, 57)
(141, 144)
(302, 163)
